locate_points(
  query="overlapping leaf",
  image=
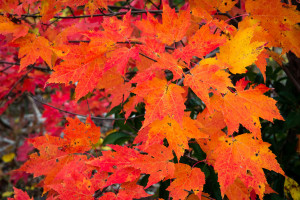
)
(206, 78)
(242, 157)
(162, 99)
(246, 107)
(172, 28)
(240, 52)
(186, 179)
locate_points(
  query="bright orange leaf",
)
(162, 99)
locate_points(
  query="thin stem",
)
(17, 83)
(96, 15)
(96, 118)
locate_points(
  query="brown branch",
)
(17, 63)
(96, 15)
(207, 197)
(290, 75)
(125, 42)
(229, 16)
(157, 7)
(10, 63)
(148, 57)
(72, 113)
(6, 68)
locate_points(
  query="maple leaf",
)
(202, 8)
(119, 94)
(7, 27)
(186, 179)
(246, 107)
(156, 163)
(120, 57)
(121, 158)
(48, 162)
(239, 160)
(261, 63)
(151, 47)
(176, 136)
(167, 61)
(275, 17)
(80, 137)
(161, 99)
(55, 153)
(81, 66)
(20, 195)
(94, 5)
(33, 47)
(73, 180)
(237, 191)
(129, 107)
(117, 30)
(206, 76)
(122, 175)
(49, 8)
(147, 71)
(128, 191)
(210, 123)
(206, 8)
(240, 52)
(132, 190)
(241, 157)
(200, 44)
(125, 160)
(113, 83)
(172, 28)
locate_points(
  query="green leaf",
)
(116, 138)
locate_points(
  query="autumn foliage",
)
(99, 55)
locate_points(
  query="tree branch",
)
(96, 15)
(72, 113)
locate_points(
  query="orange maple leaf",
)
(241, 157)
(81, 66)
(8, 27)
(186, 179)
(162, 99)
(176, 135)
(200, 44)
(33, 47)
(206, 78)
(172, 28)
(246, 107)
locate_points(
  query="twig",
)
(72, 113)
(229, 16)
(96, 15)
(10, 63)
(16, 83)
(148, 57)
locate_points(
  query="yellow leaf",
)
(8, 157)
(240, 52)
(292, 187)
(7, 194)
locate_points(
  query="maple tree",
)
(145, 59)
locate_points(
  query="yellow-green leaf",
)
(292, 187)
(8, 157)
